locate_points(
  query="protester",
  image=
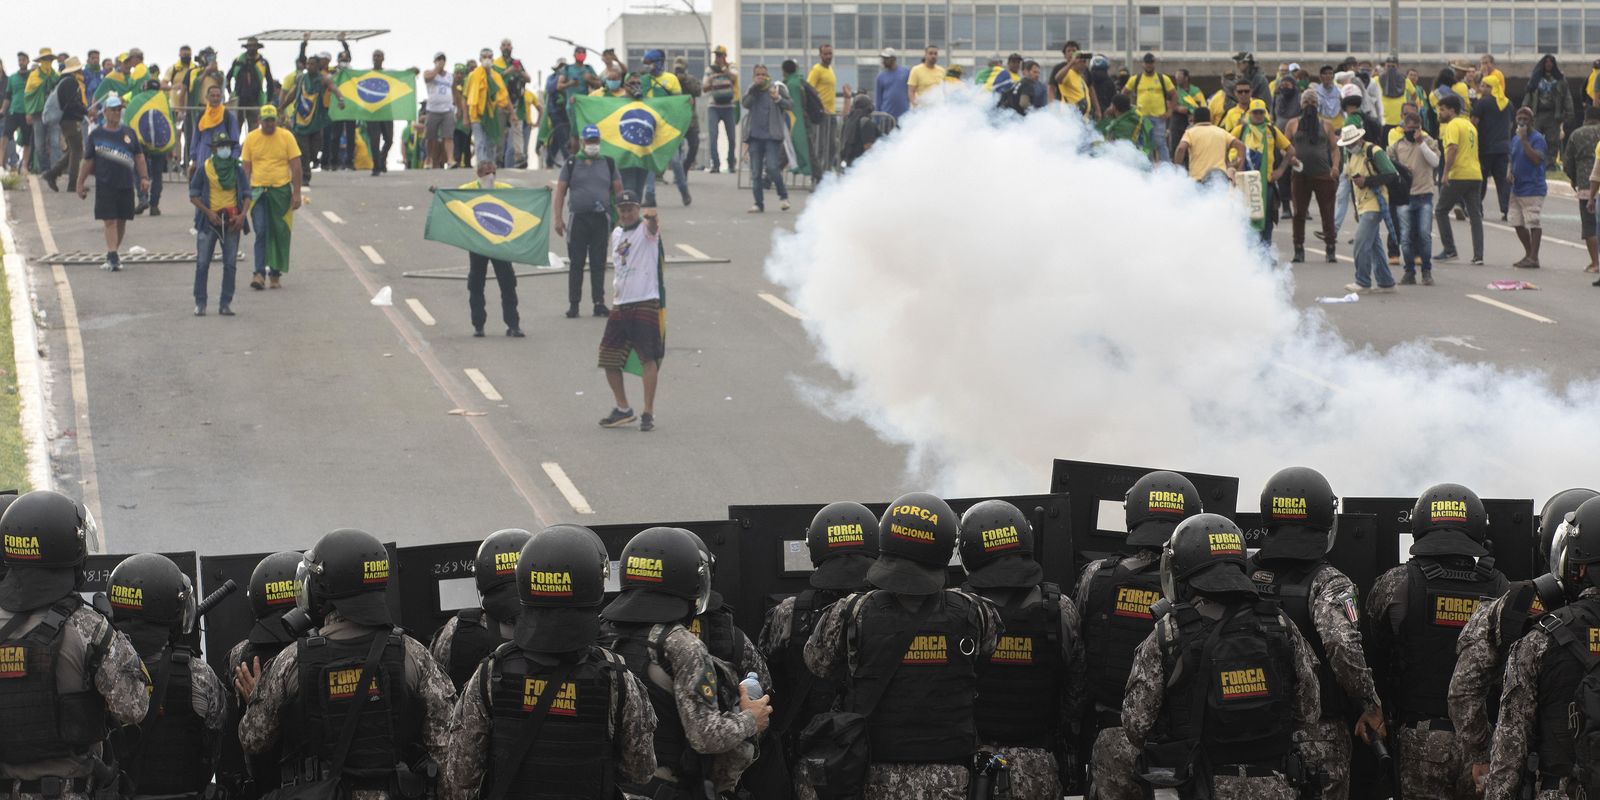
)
(1578, 161)
(657, 82)
(860, 132)
(721, 85)
(1070, 83)
(272, 164)
(694, 89)
(1262, 145)
(1101, 82)
(308, 100)
(925, 76)
(46, 132)
(766, 134)
(635, 324)
(1156, 97)
(576, 79)
(1550, 99)
(1397, 90)
(1206, 149)
(487, 101)
(1417, 153)
(1245, 64)
(1123, 123)
(1318, 174)
(250, 79)
(1028, 93)
(1240, 102)
(1491, 115)
(176, 82)
(892, 85)
(380, 133)
(478, 269)
(516, 78)
(115, 158)
(1285, 107)
(215, 120)
(1329, 97)
(71, 98)
(18, 133)
(1463, 178)
(1367, 168)
(1528, 187)
(440, 113)
(588, 186)
(150, 199)
(220, 193)
(462, 135)
(824, 134)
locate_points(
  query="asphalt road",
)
(312, 409)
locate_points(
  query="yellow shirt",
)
(1217, 102)
(1208, 149)
(660, 85)
(477, 92)
(1072, 87)
(1151, 91)
(1589, 87)
(1357, 163)
(1464, 136)
(1392, 105)
(1232, 119)
(1253, 140)
(474, 185)
(924, 77)
(220, 199)
(268, 156)
(823, 80)
(1395, 133)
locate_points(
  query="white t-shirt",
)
(635, 255)
(440, 98)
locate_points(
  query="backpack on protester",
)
(52, 109)
(812, 102)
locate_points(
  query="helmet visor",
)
(703, 574)
(302, 583)
(91, 529)
(186, 599)
(1169, 583)
(1558, 545)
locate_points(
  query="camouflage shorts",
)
(1253, 789)
(1034, 775)
(916, 782)
(1433, 766)
(1330, 751)
(1113, 759)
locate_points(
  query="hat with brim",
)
(28, 588)
(1011, 571)
(367, 608)
(222, 139)
(45, 54)
(643, 605)
(845, 572)
(113, 100)
(1350, 135)
(1447, 542)
(556, 630)
(268, 111)
(1222, 578)
(1152, 533)
(72, 65)
(252, 43)
(904, 576)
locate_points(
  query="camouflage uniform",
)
(1034, 773)
(751, 658)
(829, 652)
(632, 728)
(1478, 662)
(1112, 759)
(773, 639)
(121, 681)
(439, 646)
(1147, 693)
(279, 689)
(727, 736)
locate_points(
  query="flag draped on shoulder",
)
(498, 223)
(149, 114)
(376, 96)
(636, 133)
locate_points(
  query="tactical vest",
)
(170, 753)
(723, 638)
(1519, 614)
(1574, 633)
(1019, 685)
(242, 776)
(926, 713)
(471, 642)
(1289, 583)
(1116, 620)
(58, 724)
(390, 726)
(641, 647)
(572, 756)
(1231, 684)
(1439, 603)
(797, 705)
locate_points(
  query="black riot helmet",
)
(1298, 510)
(1449, 520)
(495, 572)
(148, 587)
(1553, 516)
(1156, 504)
(561, 585)
(1204, 556)
(997, 547)
(1580, 549)
(46, 537)
(664, 578)
(346, 571)
(916, 537)
(842, 541)
(273, 585)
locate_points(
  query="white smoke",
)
(996, 296)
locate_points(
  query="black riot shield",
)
(97, 571)
(1357, 547)
(1512, 529)
(1097, 492)
(229, 623)
(721, 536)
(436, 582)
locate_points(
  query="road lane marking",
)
(422, 313)
(778, 303)
(1546, 238)
(691, 252)
(489, 392)
(1513, 309)
(372, 254)
(332, 217)
(567, 488)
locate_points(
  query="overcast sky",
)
(418, 28)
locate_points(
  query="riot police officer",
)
(909, 652)
(1226, 682)
(722, 636)
(1298, 511)
(65, 673)
(1415, 613)
(1495, 626)
(842, 542)
(1545, 714)
(551, 714)
(355, 667)
(170, 753)
(1030, 690)
(706, 723)
(271, 591)
(473, 633)
(1113, 599)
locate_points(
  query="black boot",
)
(1299, 256)
(1331, 257)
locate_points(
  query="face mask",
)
(591, 150)
(184, 59)
(1411, 136)
(486, 182)
(613, 85)
(225, 153)
(486, 62)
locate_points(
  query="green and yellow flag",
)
(498, 223)
(636, 133)
(149, 114)
(114, 82)
(376, 96)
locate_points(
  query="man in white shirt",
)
(439, 126)
(639, 300)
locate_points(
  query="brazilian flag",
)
(114, 82)
(150, 116)
(376, 96)
(498, 223)
(636, 133)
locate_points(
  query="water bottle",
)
(752, 686)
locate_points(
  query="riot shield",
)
(1512, 530)
(1097, 490)
(229, 623)
(1356, 548)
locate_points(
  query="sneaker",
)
(600, 310)
(1408, 279)
(617, 418)
(274, 282)
(477, 331)
(1448, 255)
(1527, 263)
(755, 210)
(686, 198)
(1333, 257)
(572, 311)
(155, 211)
(714, 170)
(647, 422)
(141, 208)
(50, 180)
(257, 283)
(1384, 289)
(1357, 288)
(106, 265)
(783, 205)
(1427, 278)
(224, 311)
(1477, 261)
(116, 265)
(1394, 261)
(515, 333)
(199, 309)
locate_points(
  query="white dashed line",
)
(777, 302)
(422, 313)
(1513, 309)
(567, 488)
(332, 217)
(691, 252)
(489, 392)
(1547, 238)
(372, 254)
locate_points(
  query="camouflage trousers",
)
(1034, 774)
(1112, 763)
(916, 782)
(1330, 750)
(1236, 788)
(1432, 766)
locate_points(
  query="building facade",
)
(675, 33)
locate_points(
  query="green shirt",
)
(17, 88)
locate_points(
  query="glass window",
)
(1148, 32)
(1080, 28)
(1172, 31)
(1431, 31)
(961, 29)
(1195, 28)
(750, 27)
(1102, 37)
(1591, 25)
(1244, 28)
(1455, 30)
(917, 26)
(936, 31)
(894, 30)
(1361, 30)
(1266, 30)
(1522, 31)
(821, 30)
(1010, 34)
(797, 27)
(1572, 30)
(1055, 31)
(844, 31)
(1313, 30)
(1338, 31)
(1500, 31)
(772, 36)
(986, 24)
(867, 29)
(1121, 35)
(1220, 29)
(1477, 30)
(1380, 29)
(1408, 31)
(1549, 31)
(1033, 35)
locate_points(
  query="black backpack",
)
(813, 104)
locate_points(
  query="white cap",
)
(1294, 67)
(888, 52)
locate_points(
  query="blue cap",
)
(654, 56)
(591, 132)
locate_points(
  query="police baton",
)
(210, 601)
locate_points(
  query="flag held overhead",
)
(637, 133)
(376, 96)
(498, 223)
(150, 116)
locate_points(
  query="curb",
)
(30, 367)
